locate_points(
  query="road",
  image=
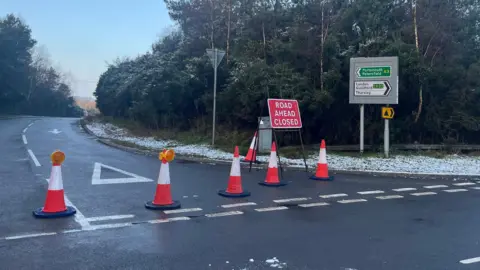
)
(355, 222)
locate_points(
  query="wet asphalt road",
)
(113, 230)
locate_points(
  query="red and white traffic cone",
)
(252, 152)
(322, 166)
(163, 195)
(234, 188)
(55, 201)
(272, 178)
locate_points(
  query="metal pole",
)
(362, 130)
(386, 138)
(214, 94)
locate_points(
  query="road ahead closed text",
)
(284, 113)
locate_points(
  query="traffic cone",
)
(234, 188)
(322, 166)
(55, 201)
(252, 152)
(272, 172)
(163, 196)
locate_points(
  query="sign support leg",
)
(214, 94)
(278, 153)
(362, 129)
(387, 138)
(303, 150)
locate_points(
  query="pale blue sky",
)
(82, 35)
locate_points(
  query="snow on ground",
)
(454, 164)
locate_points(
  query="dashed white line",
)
(72, 231)
(29, 235)
(29, 125)
(423, 193)
(463, 184)
(455, 190)
(237, 204)
(475, 188)
(404, 189)
(34, 158)
(352, 201)
(313, 204)
(389, 197)
(223, 214)
(290, 200)
(102, 218)
(108, 226)
(267, 209)
(156, 221)
(185, 210)
(370, 192)
(471, 260)
(25, 130)
(333, 195)
(24, 139)
(436, 186)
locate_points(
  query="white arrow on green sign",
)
(372, 88)
(373, 72)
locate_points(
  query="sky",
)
(82, 36)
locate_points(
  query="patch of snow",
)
(251, 260)
(454, 164)
(275, 263)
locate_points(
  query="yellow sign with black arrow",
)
(387, 112)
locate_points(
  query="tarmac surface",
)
(354, 222)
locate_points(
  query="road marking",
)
(25, 130)
(156, 221)
(29, 125)
(404, 189)
(436, 186)
(72, 231)
(464, 184)
(223, 214)
(96, 180)
(389, 197)
(238, 204)
(24, 139)
(314, 204)
(475, 188)
(333, 195)
(352, 201)
(102, 218)
(268, 209)
(423, 193)
(185, 210)
(34, 158)
(455, 190)
(29, 235)
(370, 192)
(108, 226)
(471, 260)
(290, 200)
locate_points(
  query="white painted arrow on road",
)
(96, 180)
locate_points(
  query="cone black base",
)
(224, 193)
(272, 184)
(174, 205)
(330, 178)
(40, 214)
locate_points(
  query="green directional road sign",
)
(373, 72)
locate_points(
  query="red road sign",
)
(284, 113)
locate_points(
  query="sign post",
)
(216, 57)
(374, 81)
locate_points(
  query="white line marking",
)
(238, 204)
(25, 130)
(389, 197)
(464, 184)
(223, 214)
(185, 210)
(102, 218)
(73, 231)
(156, 221)
(34, 158)
(455, 190)
(404, 189)
(29, 125)
(267, 209)
(475, 188)
(96, 180)
(352, 201)
(24, 139)
(108, 226)
(423, 193)
(29, 235)
(471, 260)
(313, 204)
(436, 186)
(290, 200)
(333, 195)
(370, 192)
